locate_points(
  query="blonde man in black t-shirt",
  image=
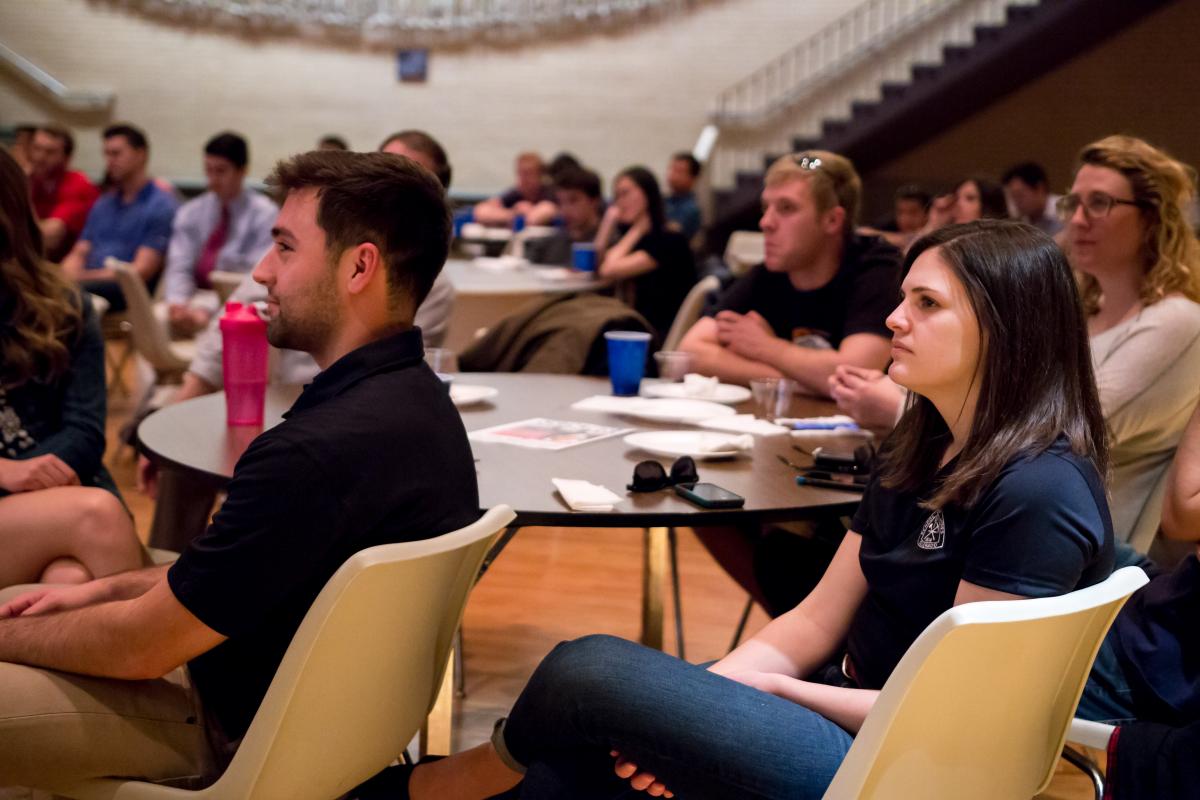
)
(820, 297)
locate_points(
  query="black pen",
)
(821, 483)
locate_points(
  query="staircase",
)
(836, 108)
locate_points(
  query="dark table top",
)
(192, 437)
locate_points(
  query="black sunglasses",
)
(650, 476)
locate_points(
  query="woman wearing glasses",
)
(1128, 237)
(989, 488)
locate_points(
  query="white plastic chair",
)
(979, 705)
(358, 679)
(689, 311)
(148, 334)
(743, 251)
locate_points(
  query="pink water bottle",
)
(244, 338)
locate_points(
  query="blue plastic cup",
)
(518, 223)
(462, 217)
(583, 256)
(626, 360)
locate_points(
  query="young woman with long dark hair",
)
(654, 264)
(56, 526)
(989, 489)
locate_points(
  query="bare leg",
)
(81, 523)
(474, 773)
(65, 570)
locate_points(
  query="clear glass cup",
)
(673, 364)
(773, 397)
(441, 360)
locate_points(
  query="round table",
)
(196, 452)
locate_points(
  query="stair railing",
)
(73, 100)
(848, 60)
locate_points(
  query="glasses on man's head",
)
(650, 476)
(1096, 205)
(806, 162)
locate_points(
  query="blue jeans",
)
(702, 735)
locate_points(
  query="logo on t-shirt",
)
(933, 532)
(811, 338)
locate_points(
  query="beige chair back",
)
(689, 311)
(743, 251)
(147, 333)
(980, 704)
(358, 679)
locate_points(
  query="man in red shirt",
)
(61, 197)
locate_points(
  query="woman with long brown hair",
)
(990, 488)
(60, 518)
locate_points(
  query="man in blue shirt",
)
(683, 212)
(227, 228)
(130, 222)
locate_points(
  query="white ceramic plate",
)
(697, 444)
(463, 394)
(727, 393)
(665, 410)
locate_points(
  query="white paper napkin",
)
(744, 423)
(700, 386)
(500, 264)
(607, 403)
(585, 496)
(717, 444)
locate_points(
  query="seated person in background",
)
(972, 199)
(57, 522)
(530, 198)
(20, 145)
(683, 212)
(1029, 193)
(910, 212)
(561, 163)
(423, 149)
(62, 197)
(580, 200)
(1127, 235)
(227, 228)
(344, 279)
(822, 294)
(332, 142)
(654, 264)
(295, 367)
(990, 489)
(130, 222)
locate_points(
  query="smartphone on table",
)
(709, 495)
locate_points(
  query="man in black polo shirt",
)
(822, 294)
(373, 451)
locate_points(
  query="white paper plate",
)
(697, 444)
(677, 410)
(727, 393)
(463, 394)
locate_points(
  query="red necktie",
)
(208, 256)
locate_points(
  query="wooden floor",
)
(553, 584)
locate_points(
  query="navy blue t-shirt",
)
(1041, 529)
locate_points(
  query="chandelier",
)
(409, 22)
